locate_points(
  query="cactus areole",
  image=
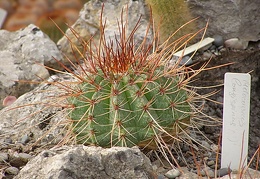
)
(125, 96)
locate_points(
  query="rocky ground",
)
(193, 160)
(197, 161)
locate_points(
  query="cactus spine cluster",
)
(125, 96)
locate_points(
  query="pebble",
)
(207, 171)
(205, 144)
(218, 40)
(25, 139)
(206, 55)
(213, 47)
(214, 147)
(160, 176)
(186, 60)
(223, 171)
(3, 157)
(173, 173)
(211, 162)
(12, 170)
(19, 160)
(8, 141)
(236, 44)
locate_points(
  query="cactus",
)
(129, 108)
(170, 15)
(125, 96)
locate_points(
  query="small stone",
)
(205, 144)
(12, 170)
(160, 176)
(209, 129)
(211, 162)
(207, 171)
(206, 55)
(186, 60)
(3, 157)
(8, 141)
(218, 41)
(220, 47)
(173, 173)
(236, 44)
(25, 156)
(214, 147)
(9, 100)
(213, 48)
(223, 171)
(25, 139)
(216, 53)
(19, 160)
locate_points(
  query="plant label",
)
(235, 120)
(2, 16)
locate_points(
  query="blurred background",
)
(21, 13)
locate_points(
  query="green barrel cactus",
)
(125, 95)
(128, 110)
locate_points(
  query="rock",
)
(208, 172)
(173, 173)
(236, 44)
(9, 100)
(25, 139)
(20, 159)
(160, 176)
(223, 171)
(26, 117)
(88, 23)
(211, 162)
(3, 157)
(186, 60)
(205, 144)
(12, 171)
(218, 40)
(206, 55)
(228, 18)
(187, 174)
(88, 162)
(22, 56)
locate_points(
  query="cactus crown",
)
(127, 94)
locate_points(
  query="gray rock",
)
(88, 162)
(173, 173)
(25, 139)
(186, 60)
(22, 56)
(229, 18)
(88, 23)
(8, 141)
(206, 55)
(223, 171)
(236, 44)
(12, 171)
(205, 144)
(26, 117)
(160, 176)
(211, 162)
(218, 40)
(20, 159)
(3, 157)
(208, 172)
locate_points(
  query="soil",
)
(245, 61)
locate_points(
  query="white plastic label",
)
(236, 110)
